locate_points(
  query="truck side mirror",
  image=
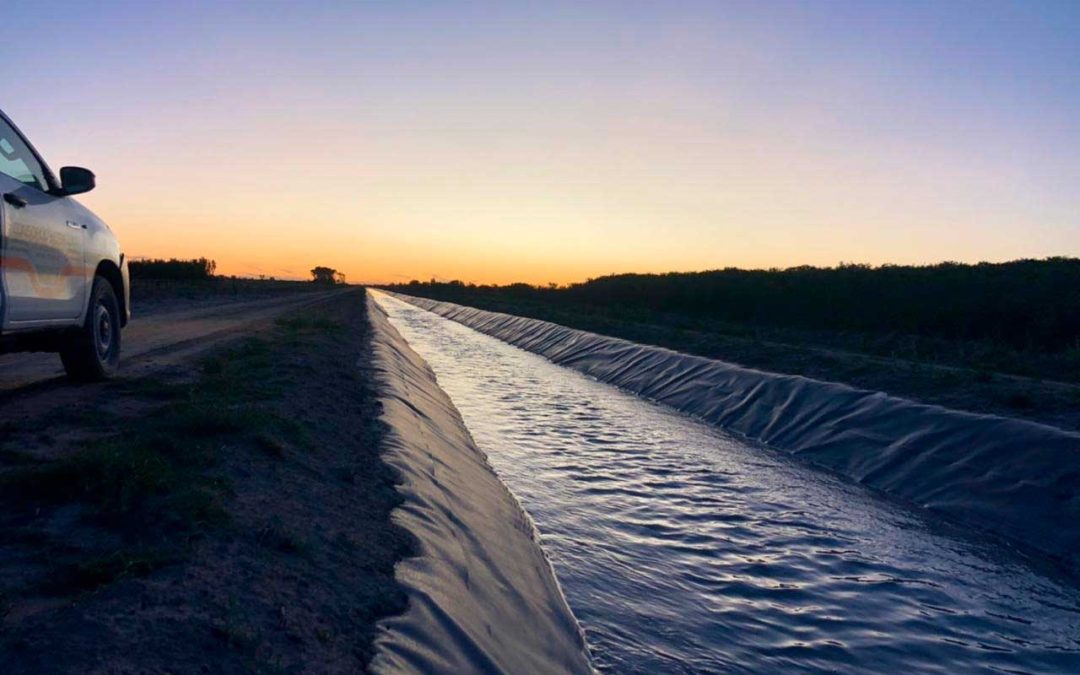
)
(75, 180)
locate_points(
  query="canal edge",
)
(1012, 478)
(483, 596)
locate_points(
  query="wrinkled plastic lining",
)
(482, 595)
(1014, 478)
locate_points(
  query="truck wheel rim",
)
(104, 331)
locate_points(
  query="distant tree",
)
(327, 275)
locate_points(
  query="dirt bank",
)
(222, 514)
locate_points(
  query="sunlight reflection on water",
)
(682, 549)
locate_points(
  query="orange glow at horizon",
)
(497, 144)
(573, 217)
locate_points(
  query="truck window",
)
(17, 161)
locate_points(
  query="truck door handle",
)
(15, 200)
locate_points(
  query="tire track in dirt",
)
(160, 340)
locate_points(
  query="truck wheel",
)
(93, 352)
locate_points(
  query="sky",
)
(553, 142)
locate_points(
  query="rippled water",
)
(683, 549)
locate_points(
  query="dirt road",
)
(163, 338)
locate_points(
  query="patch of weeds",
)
(270, 446)
(274, 535)
(295, 432)
(344, 542)
(245, 374)
(1020, 400)
(305, 324)
(273, 665)
(858, 367)
(213, 366)
(84, 417)
(252, 350)
(27, 536)
(387, 600)
(154, 487)
(240, 637)
(17, 458)
(346, 474)
(132, 484)
(944, 377)
(154, 389)
(324, 635)
(234, 631)
(200, 420)
(114, 477)
(90, 573)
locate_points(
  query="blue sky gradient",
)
(554, 141)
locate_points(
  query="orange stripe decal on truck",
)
(42, 288)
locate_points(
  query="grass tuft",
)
(89, 574)
(274, 535)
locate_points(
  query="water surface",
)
(684, 549)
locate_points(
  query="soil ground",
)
(226, 513)
(168, 330)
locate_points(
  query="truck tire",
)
(93, 352)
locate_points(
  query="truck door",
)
(42, 267)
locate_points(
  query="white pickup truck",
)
(64, 284)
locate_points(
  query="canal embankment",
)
(1017, 479)
(684, 548)
(482, 596)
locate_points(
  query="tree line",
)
(172, 269)
(194, 269)
(1024, 304)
